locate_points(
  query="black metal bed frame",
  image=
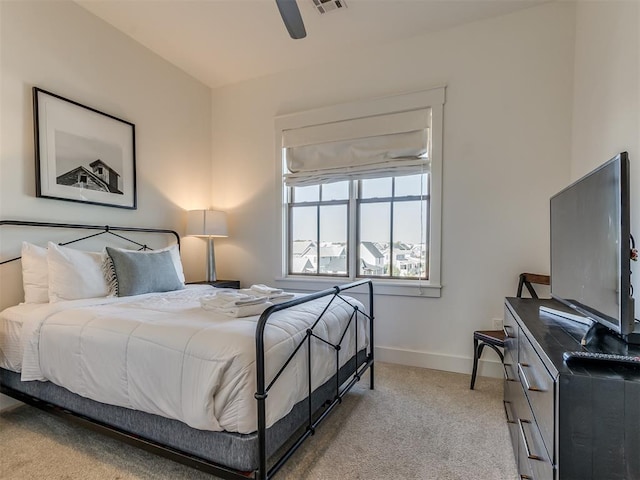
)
(315, 418)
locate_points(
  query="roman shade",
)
(378, 146)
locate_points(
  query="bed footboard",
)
(314, 418)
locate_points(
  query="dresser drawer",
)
(510, 370)
(524, 467)
(538, 385)
(510, 328)
(512, 397)
(533, 459)
(510, 362)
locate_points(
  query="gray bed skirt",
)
(234, 450)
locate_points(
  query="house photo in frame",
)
(82, 154)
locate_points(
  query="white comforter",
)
(164, 354)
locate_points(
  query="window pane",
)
(375, 235)
(333, 224)
(412, 185)
(304, 234)
(335, 191)
(409, 239)
(333, 240)
(306, 194)
(375, 187)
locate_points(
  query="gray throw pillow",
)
(143, 272)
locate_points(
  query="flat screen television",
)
(591, 247)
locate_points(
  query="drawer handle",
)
(506, 411)
(526, 380)
(505, 328)
(525, 477)
(530, 455)
(506, 373)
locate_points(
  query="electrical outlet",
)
(497, 323)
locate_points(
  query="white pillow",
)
(35, 273)
(75, 274)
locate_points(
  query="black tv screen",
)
(590, 246)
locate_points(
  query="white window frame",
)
(434, 99)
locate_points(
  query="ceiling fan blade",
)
(291, 17)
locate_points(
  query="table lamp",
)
(210, 224)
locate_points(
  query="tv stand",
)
(566, 313)
(568, 423)
(563, 312)
(596, 330)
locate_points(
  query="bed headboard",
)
(13, 232)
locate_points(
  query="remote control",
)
(602, 358)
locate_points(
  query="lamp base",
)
(211, 262)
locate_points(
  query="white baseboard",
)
(7, 402)
(450, 363)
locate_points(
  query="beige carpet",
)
(417, 424)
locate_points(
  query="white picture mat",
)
(55, 114)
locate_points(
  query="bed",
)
(232, 396)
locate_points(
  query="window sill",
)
(404, 288)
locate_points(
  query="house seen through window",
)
(389, 228)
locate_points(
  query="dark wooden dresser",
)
(571, 423)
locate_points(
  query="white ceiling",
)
(220, 42)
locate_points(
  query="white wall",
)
(606, 114)
(506, 151)
(60, 47)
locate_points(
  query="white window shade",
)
(371, 147)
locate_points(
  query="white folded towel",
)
(278, 296)
(265, 290)
(240, 311)
(230, 299)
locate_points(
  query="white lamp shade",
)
(207, 223)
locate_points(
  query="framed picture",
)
(82, 154)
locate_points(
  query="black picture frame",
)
(82, 154)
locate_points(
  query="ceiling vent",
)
(326, 6)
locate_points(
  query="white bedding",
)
(11, 321)
(164, 354)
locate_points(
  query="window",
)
(318, 226)
(392, 227)
(361, 190)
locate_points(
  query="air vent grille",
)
(326, 6)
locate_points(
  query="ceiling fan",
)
(291, 17)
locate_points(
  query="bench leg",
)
(477, 351)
